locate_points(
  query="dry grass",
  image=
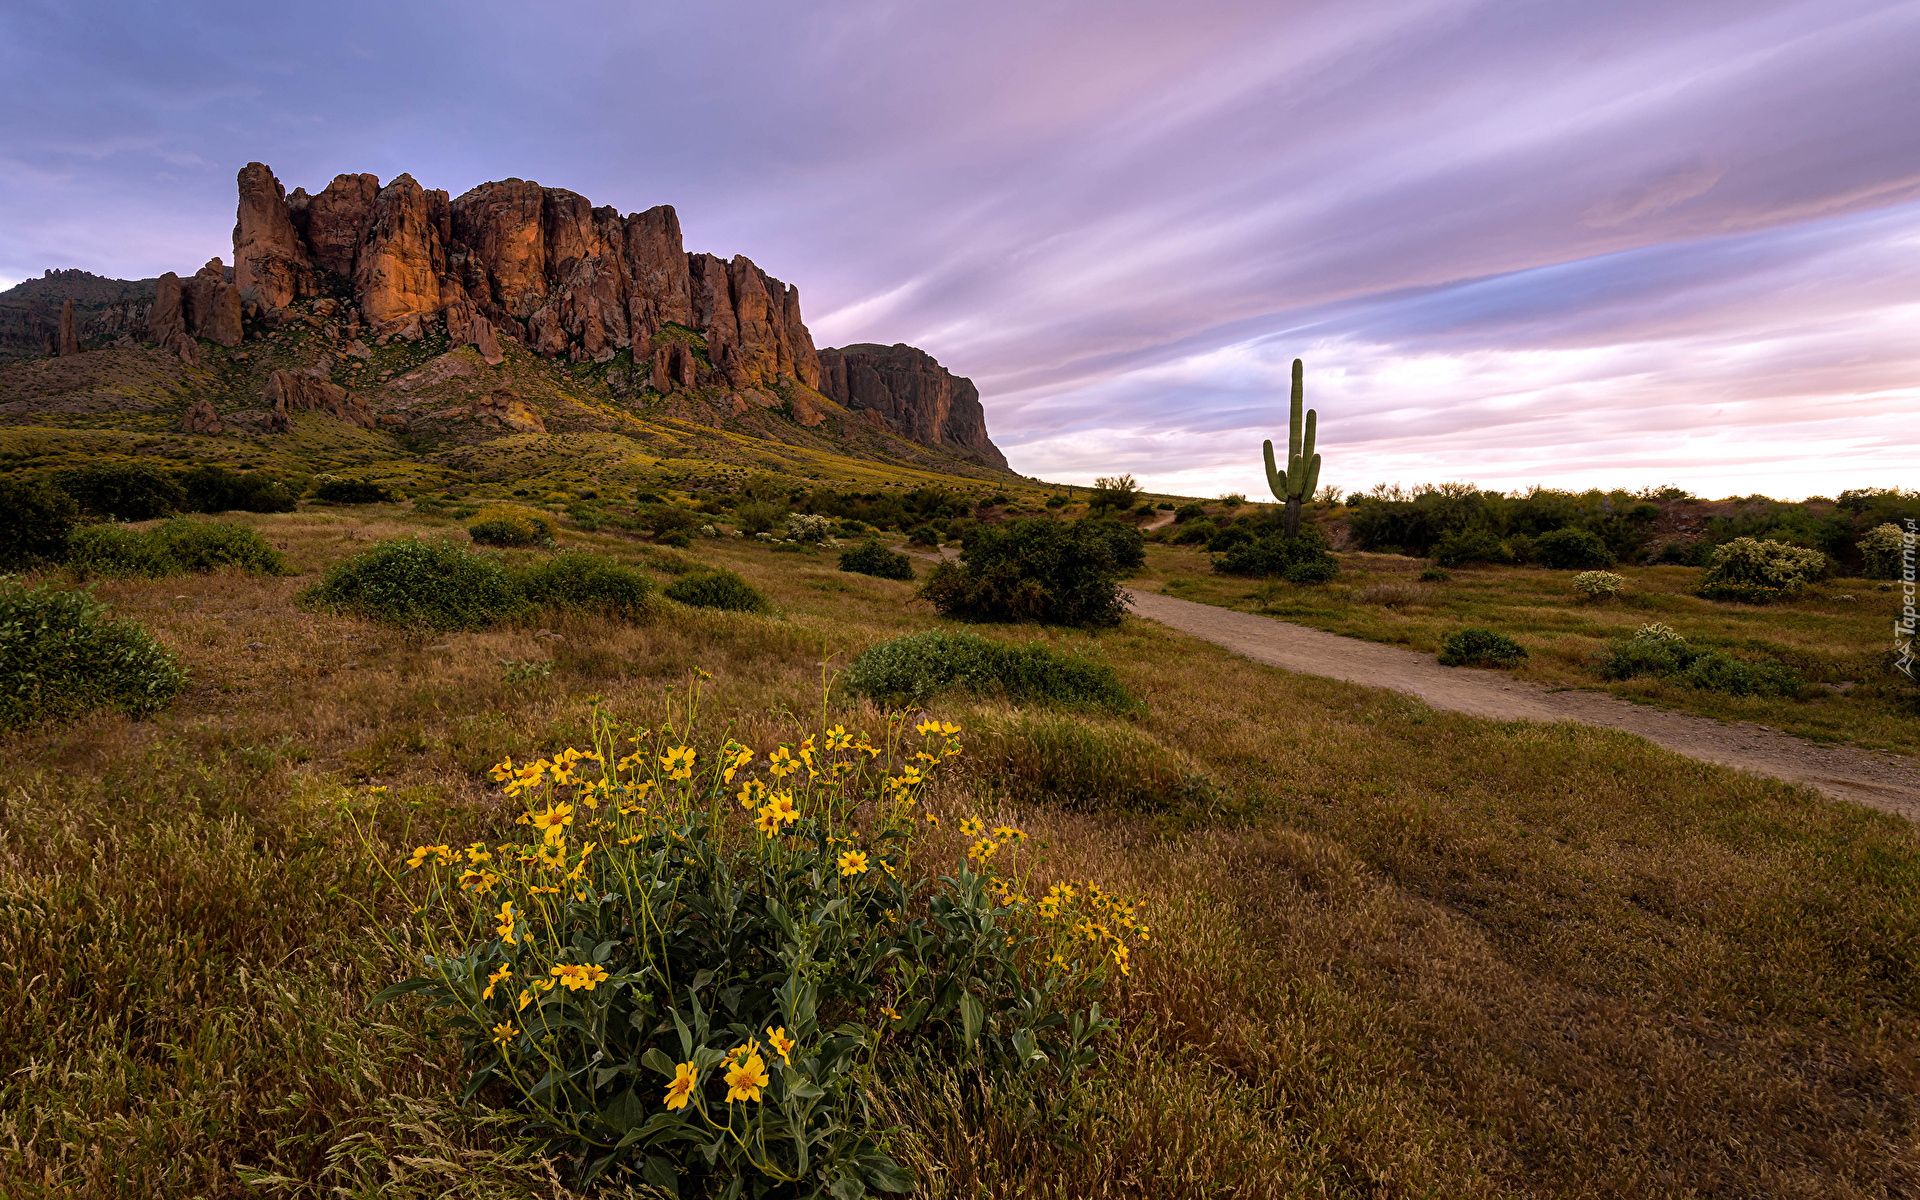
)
(1397, 953)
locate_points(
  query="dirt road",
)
(1883, 781)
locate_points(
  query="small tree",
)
(1114, 492)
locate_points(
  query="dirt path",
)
(1882, 781)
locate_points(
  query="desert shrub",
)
(1435, 575)
(665, 520)
(213, 489)
(420, 584)
(830, 959)
(923, 535)
(584, 582)
(1659, 651)
(38, 519)
(1474, 646)
(1470, 546)
(118, 552)
(1055, 572)
(511, 525)
(871, 558)
(759, 516)
(910, 671)
(1088, 766)
(717, 588)
(1230, 535)
(1572, 550)
(1883, 551)
(350, 491)
(175, 547)
(1598, 585)
(1117, 492)
(809, 528)
(1189, 512)
(1193, 532)
(1127, 543)
(1759, 571)
(122, 493)
(679, 539)
(62, 652)
(1302, 559)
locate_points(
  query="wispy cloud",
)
(1516, 242)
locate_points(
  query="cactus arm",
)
(1313, 478)
(1276, 480)
(1293, 421)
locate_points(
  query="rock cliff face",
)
(543, 265)
(918, 397)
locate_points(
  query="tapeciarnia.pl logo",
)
(1904, 623)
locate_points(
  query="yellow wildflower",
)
(503, 1033)
(781, 1043)
(972, 827)
(753, 794)
(1120, 958)
(742, 755)
(745, 1079)
(886, 1010)
(933, 820)
(782, 807)
(678, 762)
(440, 854)
(781, 763)
(505, 972)
(681, 1089)
(853, 862)
(506, 918)
(477, 853)
(575, 977)
(1008, 833)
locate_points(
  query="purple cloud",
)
(1515, 241)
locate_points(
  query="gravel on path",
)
(1888, 782)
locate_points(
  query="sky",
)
(1618, 245)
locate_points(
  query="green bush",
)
(871, 558)
(1193, 532)
(172, 548)
(1189, 512)
(511, 525)
(589, 583)
(61, 653)
(38, 519)
(1474, 646)
(1658, 651)
(1435, 575)
(212, 489)
(1470, 546)
(1127, 544)
(1054, 572)
(1757, 572)
(1883, 550)
(759, 516)
(1572, 550)
(784, 976)
(122, 493)
(1302, 559)
(351, 491)
(422, 585)
(1231, 535)
(116, 551)
(717, 588)
(910, 671)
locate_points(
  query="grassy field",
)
(1835, 634)
(1398, 953)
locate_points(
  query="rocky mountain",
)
(30, 312)
(364, 282)
(917, 396)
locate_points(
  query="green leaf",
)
(973, 1017)
(660, 1173)
(847, 1187)
(887, 1175)
(659, 1062)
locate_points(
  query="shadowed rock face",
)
(542, 264)
(918, 397)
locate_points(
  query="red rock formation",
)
(288, 392)
(200, 418)
(69, 336)
(269, 258)
(334, 222)
(210, 306)
(918, 397)
(166, 323)
(564, 277)
(402, 256)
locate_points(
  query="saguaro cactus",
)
(1302, 475)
